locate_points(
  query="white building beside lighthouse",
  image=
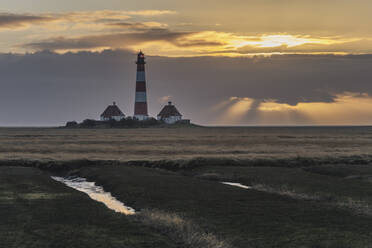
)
(169, 114)
(112, 112)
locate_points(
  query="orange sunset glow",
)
(243, 63)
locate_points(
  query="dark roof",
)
(169, 110)
(112, 110)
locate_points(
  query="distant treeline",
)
(124, 123)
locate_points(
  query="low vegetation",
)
(124, 123)
(311, 187)
(128, 122)
(293, 146)
(242, 218)
(301, 183)
(37, 212)
(187, 233)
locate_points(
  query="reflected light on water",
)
(237, 185)
(97, 193)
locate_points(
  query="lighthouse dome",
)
(141, 58)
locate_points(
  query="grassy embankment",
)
(43, 144)
(36, 211)
(245, 218)
(344, 186)
(303, 197)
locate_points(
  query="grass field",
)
(185, 143)
(245, 218)
(311, 187)
(353, 193)
(37, 212)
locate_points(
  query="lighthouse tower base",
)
(142, 117)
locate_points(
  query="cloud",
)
(93, 16)
(48, 88)
(159, 39)
(164, 99)
(14, 20)
(355, 45)
(110, 15)
(151, 12)
(116, 40)
(347, 108)
(140, 34)
(133, 30)
(134, 36)
(238, 109)
(10, 21)
(139, 26)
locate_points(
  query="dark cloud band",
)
(60, 87)
(9, 20)
(118, 40)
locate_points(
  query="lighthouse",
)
(140, 105)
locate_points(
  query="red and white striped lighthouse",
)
(140, 105)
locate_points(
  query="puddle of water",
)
(237, 185)
(96, 193)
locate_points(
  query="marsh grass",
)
(247, 143)
(285, 191)
(348, 203)
(357, 206)
(304, 178)
(37, 212)
(187, 233)
(325, 186)
(245, 218)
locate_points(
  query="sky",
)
(241, 62)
